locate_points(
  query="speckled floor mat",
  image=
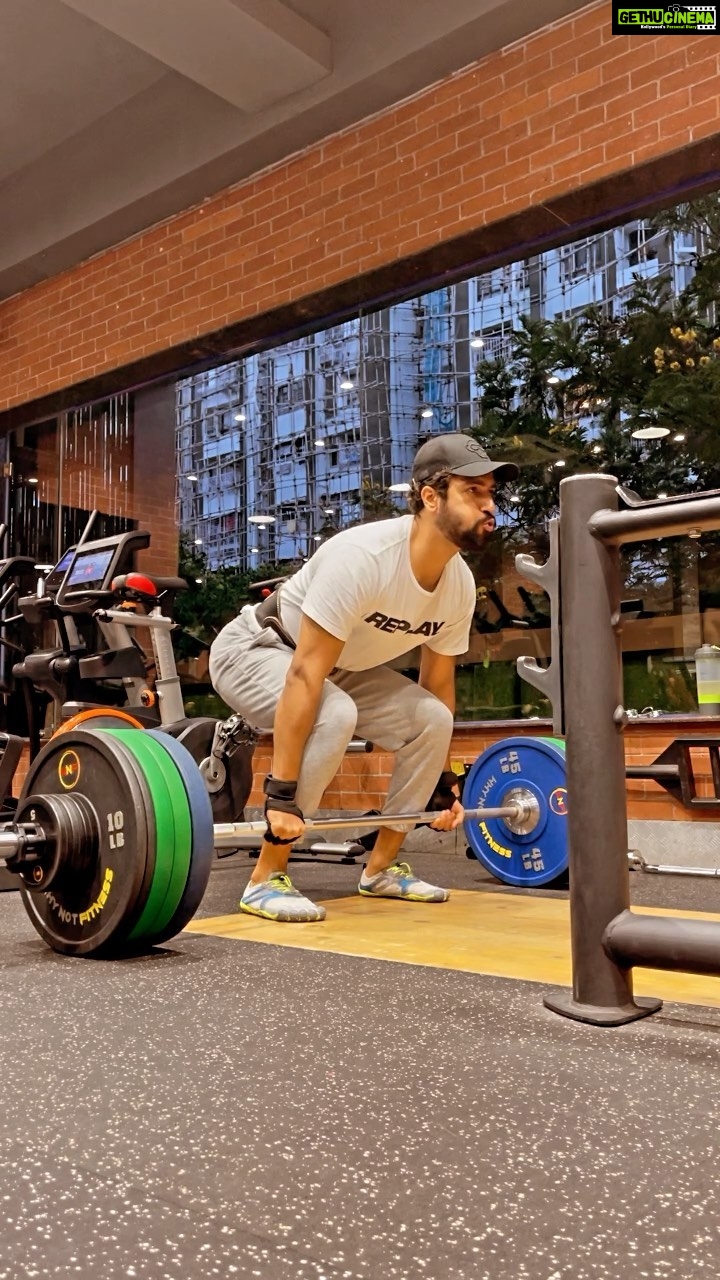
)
(223, 1109)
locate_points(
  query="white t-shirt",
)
(360, 587)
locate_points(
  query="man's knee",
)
(338, 717)
(435, 717)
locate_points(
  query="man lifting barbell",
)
(310, 662)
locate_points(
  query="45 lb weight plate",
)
(526, 855)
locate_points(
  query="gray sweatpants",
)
(248, 667)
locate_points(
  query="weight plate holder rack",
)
(531, 852)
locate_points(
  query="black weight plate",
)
(203, 851)
(93, 907)
(525, 767)
(69, 828)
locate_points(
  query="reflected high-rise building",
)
(279, 450)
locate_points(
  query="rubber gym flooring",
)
(377, 1101)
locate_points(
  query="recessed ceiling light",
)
(650, 433)
(553, 379)
(191, 476)
(261, 519)
(33, 480)
(398, 488)
(679, 437)
(198, 542)
(560, 462)
(476, 342)
(426, 413)
(347, 385)
(239, 417)
(319, 444)
(253, 551)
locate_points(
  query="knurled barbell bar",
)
(520, 813)
(113, 838)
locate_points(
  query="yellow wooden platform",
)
(503, 935)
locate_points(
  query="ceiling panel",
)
(58, 72)
(249, 53)
(114, 121)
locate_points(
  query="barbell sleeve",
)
(226, 833)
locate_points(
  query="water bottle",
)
(707, 676)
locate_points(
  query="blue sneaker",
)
(278, 899)
(399, 882)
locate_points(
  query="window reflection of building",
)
(320, 433)
(311, 425)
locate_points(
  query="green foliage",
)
(655, 364)
(666, 686)
(375, 503)
(213, 596)
(571, 393)
(496, 692)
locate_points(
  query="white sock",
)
(366, 879)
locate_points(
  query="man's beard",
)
(472, 539)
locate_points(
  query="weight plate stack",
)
(95, 902)
(519, 769)
(173, 833)
(203, 850)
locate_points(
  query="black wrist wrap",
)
(277, 789)
(280, 796)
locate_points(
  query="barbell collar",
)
(52, 835)
(226, 833)
(22, 842)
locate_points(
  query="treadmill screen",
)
(54, 579)
(90, 569)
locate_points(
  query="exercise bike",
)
(98, 674)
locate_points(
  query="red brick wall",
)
(545, 116)
(362, 780)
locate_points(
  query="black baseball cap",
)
(461, 456)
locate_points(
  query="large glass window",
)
(62, 470)
(603, 354)
(115, 457)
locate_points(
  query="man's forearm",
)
(444, 691)
(294, 720)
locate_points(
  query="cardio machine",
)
(97, 672)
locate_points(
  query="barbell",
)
(520, 812)
(113, 837)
